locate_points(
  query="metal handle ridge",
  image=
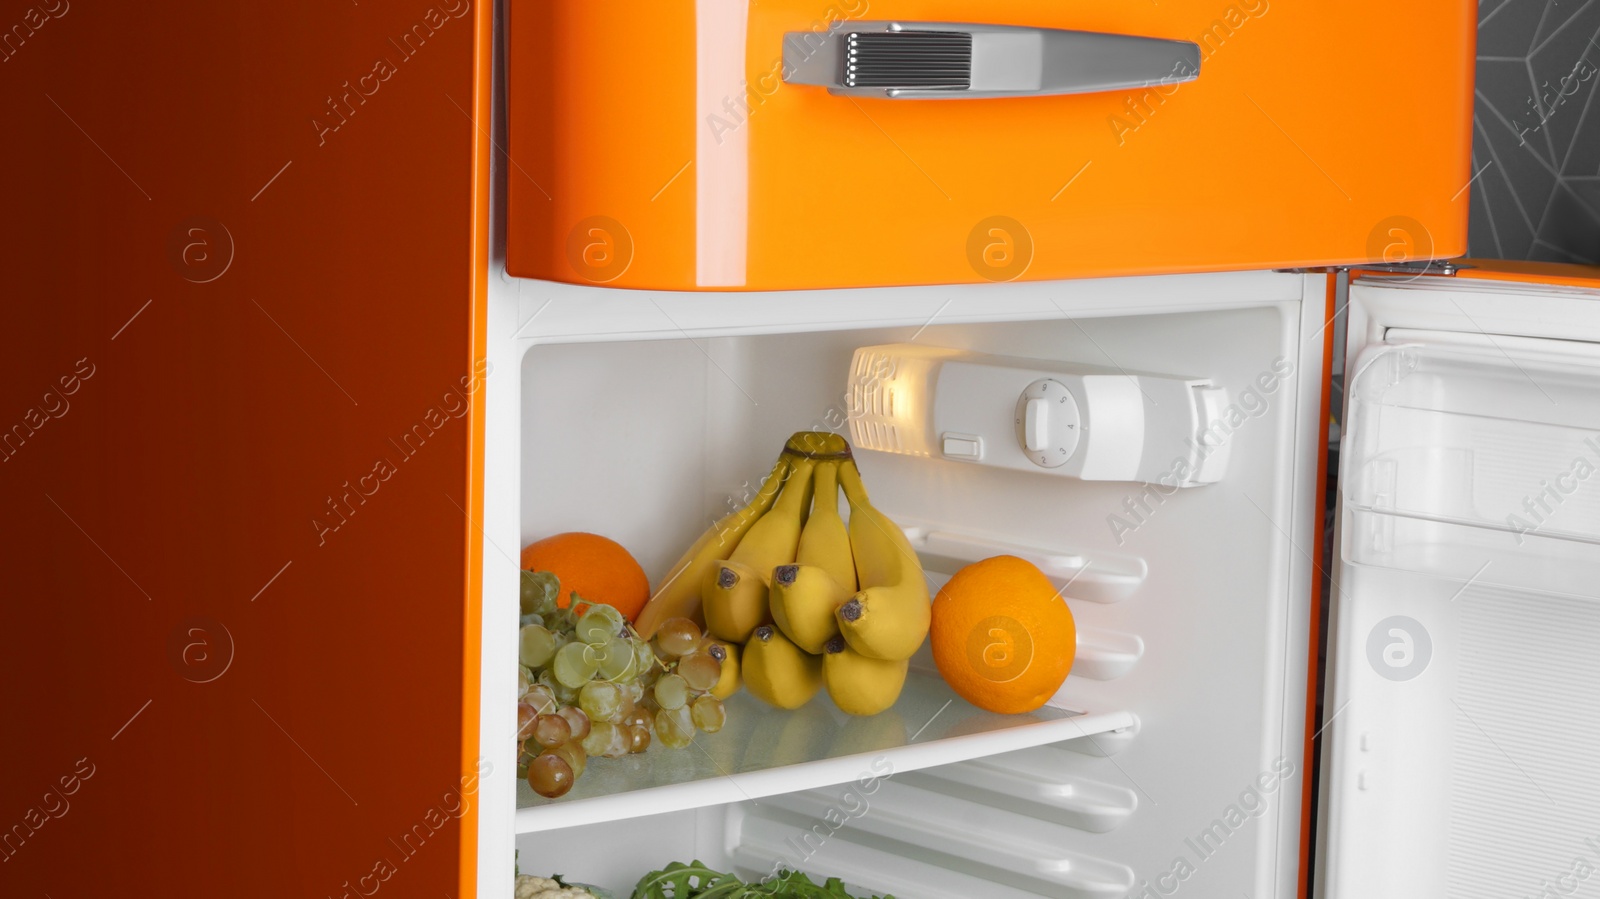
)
(947, 61)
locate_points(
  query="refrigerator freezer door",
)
(1464, 689)
(670, 148)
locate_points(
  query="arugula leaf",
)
(697, 881)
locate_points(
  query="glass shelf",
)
(765, 751)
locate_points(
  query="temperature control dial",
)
(1048, 424)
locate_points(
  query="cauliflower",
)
(530, 887)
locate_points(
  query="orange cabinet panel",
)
(239, 398)
(657, 145)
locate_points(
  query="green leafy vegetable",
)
(696, 881)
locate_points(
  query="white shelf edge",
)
(925, 819)
(811, 775)
(1094, 576)
(570, 313)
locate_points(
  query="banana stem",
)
(817, 445)
(820, 457)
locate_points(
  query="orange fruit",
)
(597, 568)
(1001, 637)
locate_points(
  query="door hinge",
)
(1447, 267)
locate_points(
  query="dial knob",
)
(1048, 424)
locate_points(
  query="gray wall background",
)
(1536, 131)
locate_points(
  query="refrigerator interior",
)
(1464, 696)
(1173, 752)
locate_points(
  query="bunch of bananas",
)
(814, 602)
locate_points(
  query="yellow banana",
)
(888, 619)
(825, 542)
(803, 600)
(858, 684)
(734, 599)
(733, 594)
(728, 655)
(778, 672)
(678, 595)
(804, 595)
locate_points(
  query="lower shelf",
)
(908, 841)
(765, 751)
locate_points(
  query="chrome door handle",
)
(940, 60)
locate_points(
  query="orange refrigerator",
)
(324, 312)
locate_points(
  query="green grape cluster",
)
(589, 685)
(679, 698)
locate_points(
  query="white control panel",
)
(1037, 415)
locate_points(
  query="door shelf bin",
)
(1473, 554)
(1471, 434)
(1466, 463)
(765, 751)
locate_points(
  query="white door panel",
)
(1464, 686)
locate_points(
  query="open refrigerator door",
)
(1463, 687)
